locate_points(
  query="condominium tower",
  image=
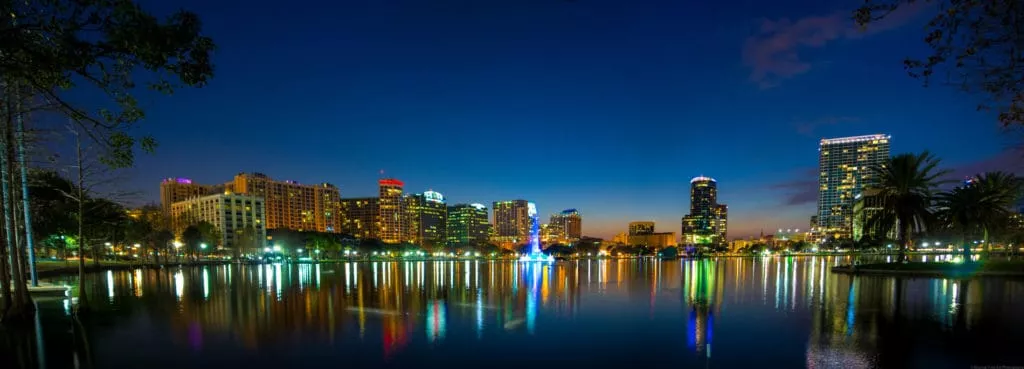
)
(291, 205)
(844, 171)
(467, 224)
(391, 217)
(706, 223)
(511, 222)
(426, 219)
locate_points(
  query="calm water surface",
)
(723, 313)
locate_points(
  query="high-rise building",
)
(640, 228)
(568, 225)
(359, 217)
(427, 215)
(174, 190)
(551, 233)
(291, 205)
(722, 225)
(706, 223)
(467, 224)
(391, 217)
(232, 214)
(511, 223)
(844, 171)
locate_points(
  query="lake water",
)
(772, 312)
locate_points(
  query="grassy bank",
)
(996, 268)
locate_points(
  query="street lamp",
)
(202, 246)
(177, 244)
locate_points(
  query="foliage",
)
(980, 207)
(975, 44)
(210, 235)
(906, 184)
(191, 237)
(105, 46)
(669, 253)
(800, 246)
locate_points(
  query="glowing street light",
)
(202, 246)
(178, 244)
(299, 250)
(266, 249)
(136, 245)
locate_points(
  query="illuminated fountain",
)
(535, 254)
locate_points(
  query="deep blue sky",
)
(609, 107)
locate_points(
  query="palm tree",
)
(905, 185)
(978, 208)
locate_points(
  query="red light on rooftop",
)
(391, 182)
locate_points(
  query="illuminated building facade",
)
(229, 213)
(844, 171)
(511, 223)
(706, 225)
(359, 217)
(641, 228)
(391, 217)
(865, 206)
(427, 219)
(174, 190)
(467, 224)
(566, 226)
(653, 239)
(291, 205)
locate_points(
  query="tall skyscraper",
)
(427, 216)
(706, 223)
(174, 190)
(843, 173)
(511, 223)
(359, 217)
(467, 224)
(391, 222)
(567, 224)
(291, 205)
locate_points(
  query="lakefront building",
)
(427, 219)
(467, 224)
(844, 171)
(511, 223)
(239, 218)
(359, 217)
(291, 205)
(391, 217)
(174, 190)
(706, 225)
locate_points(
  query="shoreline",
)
(936, 270)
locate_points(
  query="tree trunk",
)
(966, 253)
(21, 303)
(83, 298)
(26, 208)
(5, 277)
(984, 246)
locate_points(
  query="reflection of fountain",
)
(535, 254)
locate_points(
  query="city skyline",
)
(737, 111)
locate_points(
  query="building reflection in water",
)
(853, 321)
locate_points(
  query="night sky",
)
(609, 107)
